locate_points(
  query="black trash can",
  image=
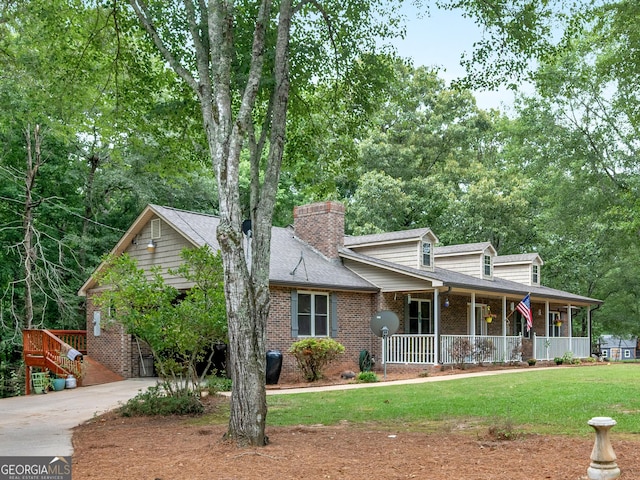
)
(274, 366)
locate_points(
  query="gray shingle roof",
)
(611, 341)
(293, 262)
(459, 280)
(462, 248)
(403, 235)
(519, 258)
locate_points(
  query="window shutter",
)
(294, 313)
(334, 315)
(407, 304)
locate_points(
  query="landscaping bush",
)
(365, 361)
(216, 384)
(367, 377)
(313, 355)
(156, 401)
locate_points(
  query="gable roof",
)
(293, 262)
(463, 249)
(611, 341)
(449, 278)
(517, 259)
(387, 237)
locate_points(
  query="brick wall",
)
(112, 347)
(354, 313)
(321, 225)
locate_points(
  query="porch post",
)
(436, 323)
(504, 324)
(570, 325)
(546, 318)
(589, 327)
(472, 316)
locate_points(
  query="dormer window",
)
(487, 266)
(426, 254)
(535, 275)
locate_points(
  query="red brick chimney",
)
(321, 225)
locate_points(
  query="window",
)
(535, 275)
(627, 353)
(487, 265)
(419, 320)
(313, 314)
(155, 229)
(520, 325)
(426, 254)
(555, 328)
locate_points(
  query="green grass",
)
(557, 401)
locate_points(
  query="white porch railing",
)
(420, 349)
(416, 349)
(547, 348)
(480, 349)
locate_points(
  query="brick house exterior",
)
(438, 293)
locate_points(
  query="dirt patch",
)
(111, 447)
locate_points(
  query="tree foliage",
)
(181, 330)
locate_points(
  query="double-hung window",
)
(313, 314)
(487, 266)
(535, 275)
(426, 254)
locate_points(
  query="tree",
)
(237, 57)
(179, 331)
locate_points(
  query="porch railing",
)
(420, 349)
(480, 349)
(415, 349)
(547, 348)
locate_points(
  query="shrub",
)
(367, 377)
(532, 362)
(460, 350)
(365, 361)
(156, 401)
(313, 355)
(216, 384)
(483, 349)
(558, 360)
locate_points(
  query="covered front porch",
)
(467, 327)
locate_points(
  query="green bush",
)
(532, 362)
(367, 377)
(314, 354)
(218, 384)
(156, 401)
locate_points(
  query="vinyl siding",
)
(467, 264)
(167, 254)
(407, 254)
(514, 273)
(386, 280)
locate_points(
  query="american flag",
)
(524, 307)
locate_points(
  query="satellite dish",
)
(382, 319)
(246, 226)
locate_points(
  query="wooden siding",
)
(467, 264)
(386, 280)
(515, 273)
(166, 255)
(406, 253)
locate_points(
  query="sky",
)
(440, 39)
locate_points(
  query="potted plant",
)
(532, 362)
(558, 360)
(57, 382)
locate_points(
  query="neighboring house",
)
(326, 284)
(617, 349)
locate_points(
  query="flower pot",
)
(58, 384)
(558, 324)
(488, 319)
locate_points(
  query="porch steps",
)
(96, 374)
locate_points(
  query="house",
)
(453, 303)
(617, 349)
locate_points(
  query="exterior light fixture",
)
(151, 247)
(446, 302)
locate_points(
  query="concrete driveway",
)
(41, 424)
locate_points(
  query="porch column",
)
(589, 326)
(472, 315)
(504, 325)
(546, 318)
(570, 326)
(436, 324)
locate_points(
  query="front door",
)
(420, 320)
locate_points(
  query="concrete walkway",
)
(41, 424)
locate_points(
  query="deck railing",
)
(548, 348)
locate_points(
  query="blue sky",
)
(440, 39)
